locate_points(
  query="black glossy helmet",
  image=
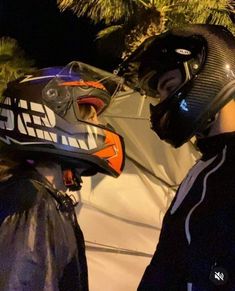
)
(205, 57)
(39, 117)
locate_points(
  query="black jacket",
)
(41, 244)
(196, 249)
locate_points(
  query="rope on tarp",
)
(97, 247)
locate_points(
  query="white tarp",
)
(121, 218)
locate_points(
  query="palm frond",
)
(100, 10)
(143, 18)
(13, 62)
(108, 30)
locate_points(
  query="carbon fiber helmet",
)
(205, 57)
(39, 117)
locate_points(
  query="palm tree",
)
(132, 21)
(13, 62)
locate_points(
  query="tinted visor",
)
(182, 59)
(161, 54)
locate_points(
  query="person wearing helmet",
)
(51, 136)
(192, 71)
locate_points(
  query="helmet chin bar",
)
(225, 95)
(206, 131)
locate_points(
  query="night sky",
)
(51, 37)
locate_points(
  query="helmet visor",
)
(169, 71)
(159, 55)
(83, 84)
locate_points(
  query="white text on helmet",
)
(35, 120)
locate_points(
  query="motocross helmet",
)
(204, 57)
(39, 116)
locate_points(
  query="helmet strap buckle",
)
(72, 180)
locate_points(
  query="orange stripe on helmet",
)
(113, 151)
(93, 84)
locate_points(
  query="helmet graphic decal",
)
(39, 122)
(182, 51)
(112, 151)
(84, 83)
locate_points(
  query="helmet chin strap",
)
(72, 179)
